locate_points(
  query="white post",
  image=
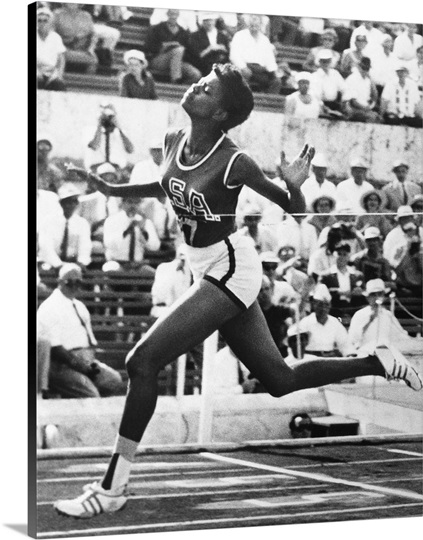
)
(180, 376)
(206, 407)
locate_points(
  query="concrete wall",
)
(70, 119)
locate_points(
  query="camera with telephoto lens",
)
(107, 118)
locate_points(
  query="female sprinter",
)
(205, 172)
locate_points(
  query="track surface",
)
(266, 485)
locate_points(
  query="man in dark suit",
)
(400, 191)
(209, 45)
(343, 283)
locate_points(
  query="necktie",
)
(131, 231)
(90, 339)
(65, 242)
(404, 194)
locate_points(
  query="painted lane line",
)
(314, 476)
(346, 463)
(101, 467)
(69, 479)
(408, 452)
(182, 525)
(205, 493)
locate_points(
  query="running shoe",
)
(95, 500)
(397, 367)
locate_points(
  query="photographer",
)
(109, 144)
(409, 271)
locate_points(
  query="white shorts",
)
(233, 265)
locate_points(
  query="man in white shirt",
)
(407, 43)
(316, 184)
(399, 100)
(50, 53)
(374, 325)
(384, 63)
(66, 237)
(350, 191)
(150, 169)
(253, 54)
(397, 241)
(374, 37)
(327, 84)
(64, 324)
(327, 336)
(127, 234)
(360, 96)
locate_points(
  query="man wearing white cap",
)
(137, 82)
(66, 238)
(50, 53)
(209, 44)
(303, 104)
(317, 184)
(350, 191)
(64, 323)
(374, 325)
(370, 262)
(399, 100)
(327, 336)
(326, 83)
(400, 191)
(398, 240)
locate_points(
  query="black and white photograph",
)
(228, 245)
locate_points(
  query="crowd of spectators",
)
(357, 70)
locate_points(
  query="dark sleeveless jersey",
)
(205, 195)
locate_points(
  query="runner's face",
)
(204, 98)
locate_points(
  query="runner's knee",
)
(139, 361)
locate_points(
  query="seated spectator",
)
(187, 18)
(253, 54)
(399, 100)
(76, 28)
(360, 97)
(407, 43)
(400, 191)
(297, 232)
(172, 279)
(373, 203)
(106, 35)
(343, 281)
(209, 45)
(345, 220)
(168, 50)
(374, 37)
(370, 262)
(327, 336)
(326, 83)
(49, 177)
(328, 38)
(66, 238)
(322, 207)
(323, 258)
(137, 82)
(50, 53)
(109, 143)
(352, 57)
(282, 292)
(384, 63)
(343, 29)
(302, 103)
(149, 170)
(374, 325)
(397, 242)
(317, 184)
(415, 68)
(276, 315)
(409, 271)
(127, 234)
(292, 269)
(264, 237)
(350, 191)
(64, 323)
(298, 340)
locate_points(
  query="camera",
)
(107, 118)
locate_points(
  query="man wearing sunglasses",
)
(64, 324)
(50, 53)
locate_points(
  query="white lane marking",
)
(139, 466)
(408, 452)
(291, 500)
(313, 476)
(182, 525)
(204, 493)
(363, 462)
(69, 479)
